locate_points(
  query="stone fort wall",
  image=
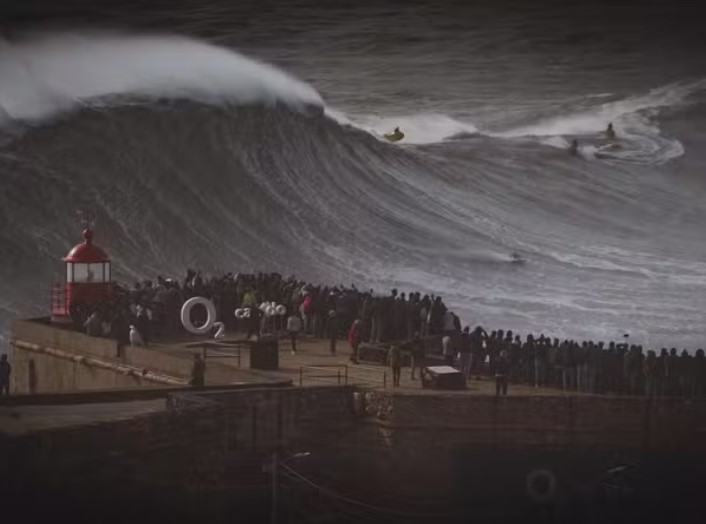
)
(397, 447)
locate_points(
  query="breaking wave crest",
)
(44, 75)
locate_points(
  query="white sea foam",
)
(427, 128)
(634, 119)
(635, 123)
(594, 120)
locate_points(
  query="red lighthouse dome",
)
(87, 252)
(87, 283)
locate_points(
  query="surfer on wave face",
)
(610, 132)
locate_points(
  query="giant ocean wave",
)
(192, 155)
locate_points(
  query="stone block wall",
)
(43, 333)
(52, 375)
(425, 443)
(189, 445)
(369, 444)
(562, 422)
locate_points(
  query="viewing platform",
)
(54, 365)
(65, 360)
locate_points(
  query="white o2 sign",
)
(270, 309)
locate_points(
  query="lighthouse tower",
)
(87, 279)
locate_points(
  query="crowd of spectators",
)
(587, 367)
(329, 311)
(154, 307)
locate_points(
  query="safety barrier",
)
(331, 373)
(342, 374)
(223, 350)
(368, 375)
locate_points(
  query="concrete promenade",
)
(313, 364)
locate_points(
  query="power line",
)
(392, 496)
(390, 511)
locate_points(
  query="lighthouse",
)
(87, 279)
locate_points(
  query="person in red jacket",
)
(305, 311)
(354, 339)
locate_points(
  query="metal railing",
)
(330, 373)
(59, 299)
(342, 374)
(369, 375)
(89, 294)
(225, 350)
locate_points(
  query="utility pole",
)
(273, 518)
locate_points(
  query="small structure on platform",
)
(442, 377)
(88, 279)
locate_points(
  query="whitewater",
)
(254, 157)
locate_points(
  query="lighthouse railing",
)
(59, 299)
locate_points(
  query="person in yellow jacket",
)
(249, 299)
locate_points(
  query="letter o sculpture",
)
(537, 495)
(186, 315)
(281, 309)
(239, 313)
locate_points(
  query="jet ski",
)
(611, 139)
(395, 136)
(517, 259)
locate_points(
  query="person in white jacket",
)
(294, 326)
(449, 323)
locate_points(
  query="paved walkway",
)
(313, 364)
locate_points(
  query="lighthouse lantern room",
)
(87, 279)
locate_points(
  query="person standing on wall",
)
(502, 370)
(394, 360)
(417, 354)
(332, 329)
(477, 338)
(253, 323)
(198, 372)
(305, 311)
(32, 371)
(464, 349)
(5, 372)
(142, 323)
(294, 326)
(354, 340)
(447, 350)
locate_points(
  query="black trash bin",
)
(264, 353)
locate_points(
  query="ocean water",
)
(249, 137)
